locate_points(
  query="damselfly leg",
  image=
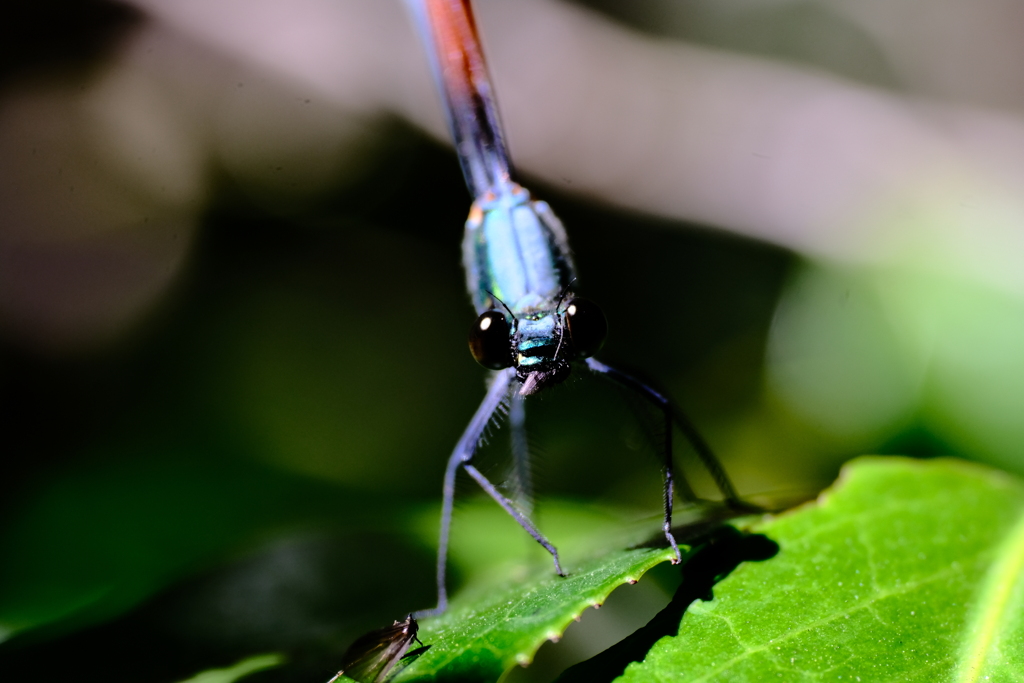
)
(499, 392)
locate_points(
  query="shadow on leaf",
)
(721, 553)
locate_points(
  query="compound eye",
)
(587, 326)
(489, 341)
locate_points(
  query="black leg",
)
(462, 456)
(523, 520)
(672, 415)
(463, 453)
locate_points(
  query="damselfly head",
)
(542, 345)
(372, 657)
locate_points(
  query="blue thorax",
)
(517, 260)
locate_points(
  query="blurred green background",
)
(250, 461)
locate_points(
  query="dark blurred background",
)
(233, 320)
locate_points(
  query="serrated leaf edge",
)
(555, 634)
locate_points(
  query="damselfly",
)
(532, 329)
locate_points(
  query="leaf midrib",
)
(999, 585)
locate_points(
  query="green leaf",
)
(905, 570)
(239, 670)
(489, 630)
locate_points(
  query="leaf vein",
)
(996, 594)
(866, 604)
